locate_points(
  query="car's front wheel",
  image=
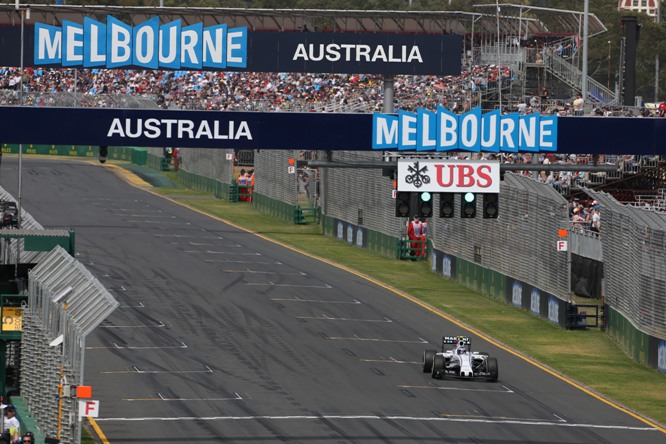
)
(428, 357)
(438, 365)
(492, 369)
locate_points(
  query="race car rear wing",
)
(448, 340)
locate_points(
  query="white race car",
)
(459, 361)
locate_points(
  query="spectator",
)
(662, 108)
(578, 105)
(11, 425)
(596, 219)
(544, 98)
(577, 220)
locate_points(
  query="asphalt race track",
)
(222, 336)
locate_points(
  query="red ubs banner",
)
(448, 176)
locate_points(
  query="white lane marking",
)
(133, 306)
(273, 284)
(390, 360)
(503, 418)
(208, 244)
(297, 299)
(328, 318)
(130, 209)
(248, 270)
(137, 347)
(380, 418)
(158, 325)
(356, 338)
(455, 389)
(136, 370)
(143, 215)
(220, 261)
(180, 236)
(160, 397)
(235, 253)
(161, 222)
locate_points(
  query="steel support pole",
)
(586, 14)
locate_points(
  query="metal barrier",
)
(584, 316)
(634, 242)
(304, 216)
(413, 249)
(65, 304)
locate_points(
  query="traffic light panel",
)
(446, 204)
(403, 204)
(103, 153)
(468, 205)
(424, 204)
(491, 206)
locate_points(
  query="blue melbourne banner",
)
(282, 130)
(152, 45)
(472, 131)
(114, 44)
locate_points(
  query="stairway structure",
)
(534, 65)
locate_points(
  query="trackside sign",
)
(114, 44)
(472, 131)
(448, 176)
(174, 45)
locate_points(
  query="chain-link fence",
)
(634, 242)
(271, 167)
(521, 243)
(360, 196)
(80, 100)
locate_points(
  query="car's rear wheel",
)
(428, 357)
(438, 365)
(492, 369)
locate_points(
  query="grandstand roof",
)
(567, 21)
(457, 22)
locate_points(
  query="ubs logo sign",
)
(417, 176)
(448, 176)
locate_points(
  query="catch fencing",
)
(530, 214)
(520, 244)
(634, 243)
(65, 304)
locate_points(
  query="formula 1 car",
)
(459, 361)
(8, 214)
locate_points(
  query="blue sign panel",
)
(471, 131)
(321, 131)
(150, 45)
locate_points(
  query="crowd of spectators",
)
(249, 91)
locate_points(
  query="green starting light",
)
(426, 196)
(469, 197)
